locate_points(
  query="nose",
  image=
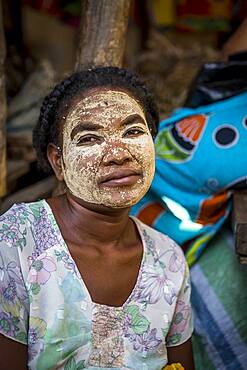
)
(116, 153)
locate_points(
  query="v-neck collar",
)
(138, 225)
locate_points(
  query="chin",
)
(127, 202)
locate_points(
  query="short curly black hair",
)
(57, 103)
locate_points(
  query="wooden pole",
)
(3, 110)
(102, 33)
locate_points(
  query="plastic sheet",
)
(218, 81)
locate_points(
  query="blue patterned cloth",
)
(200, 158)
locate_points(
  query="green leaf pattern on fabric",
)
(139, 323)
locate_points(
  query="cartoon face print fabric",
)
(200, 158)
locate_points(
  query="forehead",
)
(103, 104)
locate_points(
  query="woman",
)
(82, 284)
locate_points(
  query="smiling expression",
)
(108, 151)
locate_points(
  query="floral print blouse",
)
(45, 304)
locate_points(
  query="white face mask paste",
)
(90, 154)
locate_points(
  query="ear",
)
(54, 156)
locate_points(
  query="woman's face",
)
(108, 151)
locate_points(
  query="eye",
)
(88, 140)
(133, 132)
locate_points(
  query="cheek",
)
(144, 152)
(82, 161)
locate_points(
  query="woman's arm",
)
(13, 355)
(183, 354)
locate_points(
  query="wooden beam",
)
(39, 190)
(240, 224)
(3, 110)
(102, 33)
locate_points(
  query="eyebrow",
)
(132, 119)
(89, 126)
(85, 126)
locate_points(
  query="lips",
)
(123, 177)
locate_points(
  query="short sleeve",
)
(14, 303)
(181, 327)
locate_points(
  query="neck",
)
(92, 224)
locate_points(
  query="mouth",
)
(123, 177)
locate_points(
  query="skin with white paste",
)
(106, 133)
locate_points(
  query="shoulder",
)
(15, 235)
(22, 212)
(27, 229)
(156, 241)
(164, 271)
(163, 255)
(13, 226)
(14, 223)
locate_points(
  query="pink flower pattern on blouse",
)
(155, 285)
(41, 269)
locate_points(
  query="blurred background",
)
(167, 43)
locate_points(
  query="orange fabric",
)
(150, 212)
(212, 209)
